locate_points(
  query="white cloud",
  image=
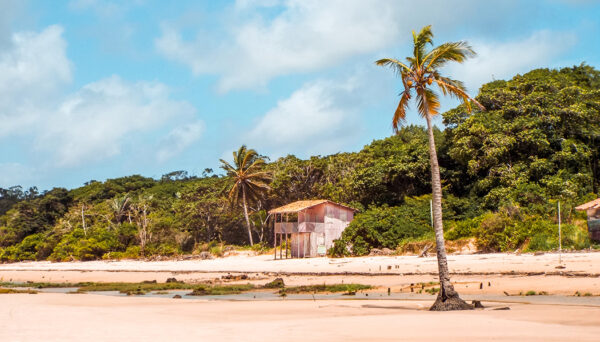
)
(502, 60)
(264, 39)
(93, 123)
(319, 118)
(305, 36)
(179, 139)
(32, 72)
(89, 125)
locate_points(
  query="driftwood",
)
(425, 250)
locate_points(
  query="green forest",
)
(503, 171)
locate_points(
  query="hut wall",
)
(336, 220)
(594, 223)
(300, 245)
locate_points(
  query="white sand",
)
(90, 318)
(478, 263)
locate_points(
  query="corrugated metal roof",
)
(295, 207)
(589, 205)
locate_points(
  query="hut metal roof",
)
(297, 206)
(589, 205)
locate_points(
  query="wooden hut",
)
(308, 228)
(593, 215)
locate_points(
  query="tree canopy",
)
(502, 173)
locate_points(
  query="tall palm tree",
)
(418, 74)
(249, 179)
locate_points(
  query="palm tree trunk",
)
(447, 298)
(246, 215)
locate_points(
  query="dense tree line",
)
(502, 171)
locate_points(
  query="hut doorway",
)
(300, 245)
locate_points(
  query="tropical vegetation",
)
(502, 172)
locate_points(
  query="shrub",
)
(462, 229)
(77, 245)
(384, 227)
(33, 247)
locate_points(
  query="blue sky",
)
(94, 89)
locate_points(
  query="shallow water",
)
(372, 295)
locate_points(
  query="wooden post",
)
(275, 235)
(559, 237)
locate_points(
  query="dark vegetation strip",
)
(8, 291)
(197, 289)
(349, 288)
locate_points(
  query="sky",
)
(92, 89)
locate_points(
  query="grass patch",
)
(217, 290)
(533, 293)
(135, 288)
(7, 291)
(42, 285)
(127, 288)
(348, 288)
(432, 290)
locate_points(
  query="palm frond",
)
(247, 175)
(400, 114)
(428, 102)
(393, 64)
(448, 52)
(420, 42)
(457, 90)
(227, 167)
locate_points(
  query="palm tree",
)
(418, 74)
(249, 179)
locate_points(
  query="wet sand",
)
(87, 317)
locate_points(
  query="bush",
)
(462, 229)
(384, 227)
(510, 229)
(33, 247)
(132, 252)
(76, 245)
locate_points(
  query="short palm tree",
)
(249, 180)
(418, 74)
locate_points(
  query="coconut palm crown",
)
(419, 73)
(249, 180)
(422, 70)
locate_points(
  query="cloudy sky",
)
(94, 89)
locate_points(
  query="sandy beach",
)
(403, 316)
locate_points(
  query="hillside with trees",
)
(502, 170)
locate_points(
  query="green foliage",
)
(509, 229)
(385, 227)
(217, 290)
(538, 139)
(503, 171)
(77, 245)
(5, 291)
(462, 229)
(325, 288)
